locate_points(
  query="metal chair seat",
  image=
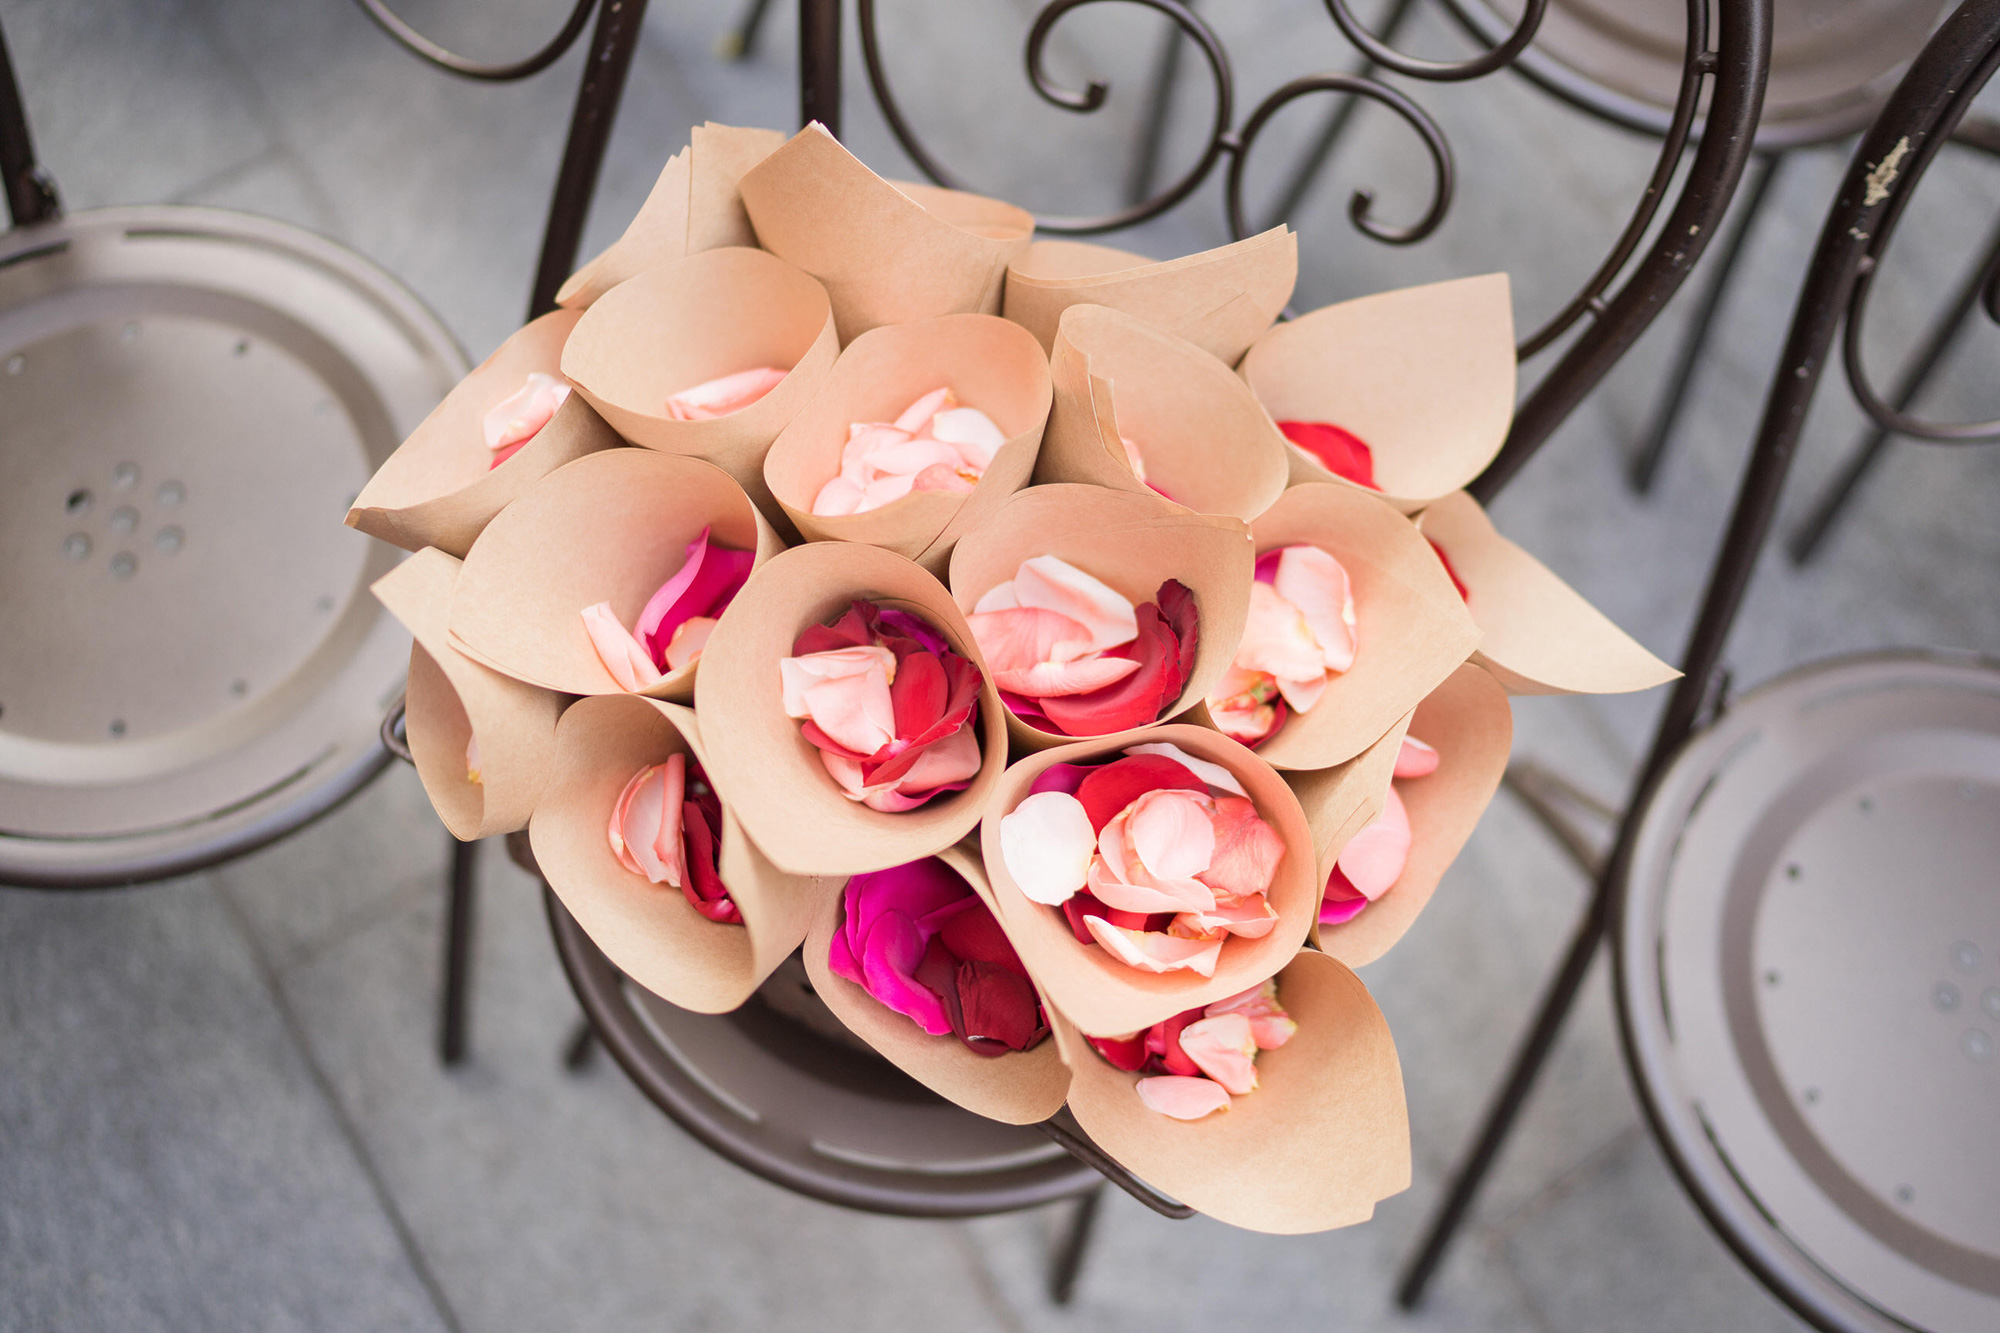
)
(190, 662)
(1808, 954)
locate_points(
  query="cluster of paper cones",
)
(755, 250)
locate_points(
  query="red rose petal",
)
(1135, 700)
(1108, 790)
(974, 936)
(1456, 582)
(998, 1005)
(1343, 452)
(1129, 1054)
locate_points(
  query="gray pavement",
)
(219, 1104)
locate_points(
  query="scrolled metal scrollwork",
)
(1439, 71)
(430, 52)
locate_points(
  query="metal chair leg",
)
(1667, 410)
(740, 42)
(1075, 1242)
(1806, 540)
(582, 1044)
(453, 1016)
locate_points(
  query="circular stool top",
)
(1809, 979)
(191, 662)
(1833, 62)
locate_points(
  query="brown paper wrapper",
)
(1206, 442)
(1424, 376)
(1220, 300)
(687, 322)
(1019, 1088)
(610, 528)
(1468, 722)
(1538, 634)
(1339, 801)
(1412, 628)
(888, 253)
(1133, 542)
(452, 698)
(770, 773)
(440, 487)
(1101, 995)
(650, 931)
(1325, 1136)
(987, 362)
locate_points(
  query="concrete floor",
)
(219, 1103)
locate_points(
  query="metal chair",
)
(1745, 812)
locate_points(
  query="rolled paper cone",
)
(1411, 630)
(1103, 996)
(1323, 1139)
(650, 931)
(1019, 1088)
(697, 319)
(987, 362)
(453, 699)
(769, 773)
(1468, 722)
(440, 487)
(1340, 801)
(1207, 443)
(1132, 542)
(1538, 634)
(1424, 376)
(1220, 300)
(889, 253)
(694, 206)
(612, 527)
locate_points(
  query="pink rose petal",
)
(1317, 585)
(1108, 615)
(1373, 859)
(1171, 833)
(1222, 1047)
(645, 831)
(1181, 1097)
(1270, 1026)
(1154, 951)
(1415, 759)
(1277, 640)
(623, 656)
(719, 397)
(1047, 844)
(918, 414)
(684, 649)
(520, 416)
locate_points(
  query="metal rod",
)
(582, 1044)
(1673, 398)
(1079, 1146)
(740, 42)
(1806, 541)
(819, 64)
(1538, 789)
(31, 193)
(1153, 131)
(1075, 1243)
(612, 42)
(453, 1018)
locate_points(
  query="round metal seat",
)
(1808, 953)
(190, 662)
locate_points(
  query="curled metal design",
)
(395, 732)
(1439, 71)
(1360, 206)
(429, 51)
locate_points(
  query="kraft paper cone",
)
(1424, 376)
(1103, 996)
(452, 699)
(650, 931)
(1412, 630)
(610, 528)
(440, 487)
(694, 320)
(1340, 801)
(1325, 1136)
(771, 774)
(1018, 1088)
(1206, 442)
(1468, 722)
(1539, 635)
(1132, 542)
(987, 362)
(1220, 300)
(888, 253)
(694, 206)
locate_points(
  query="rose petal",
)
(1373, 859)
(1107, 791)
(719, 397)
(1059, 680)
(855, 711)
(704, 585)
(684, 649)
(1154, 951)
(520, 416)
(977, 438)
(1277, 638)
(1158, 895)
(1015, 639)
(1250, 916)
(1318, 586)
(645, 831)
(1056, 585)
(918, 414)
(799, 676)
(1172, 834)
(473, 770)
(1047, 843)
(1415, 759)
(1134, 458)
(1135, 701)
(1126, 1053)
(1222, 1048)
(999, 1004)
(1215, 775)
(1341, 451)
(890, 954)
(943, 477)
(1247, 849)
(1270, 1025)
(623, 656)
(1180, 1097)
(837, 499)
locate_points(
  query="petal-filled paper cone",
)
(769, 773)
(1339, 801)
(985, 361)
(1019, 1088)
(1412, 629)
(1323, 1139)
(650, 931)
(1424, 376)
(1205, 441)
(1539, 636)
(1103, 996)
(1468, 722)
(440, 487)
(610, 528)
(888, 253)
(694, 206)
(697, 319)
(452, 700)
(1220, 300)
(1132, 542)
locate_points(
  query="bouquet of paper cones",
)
(1086, 669)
